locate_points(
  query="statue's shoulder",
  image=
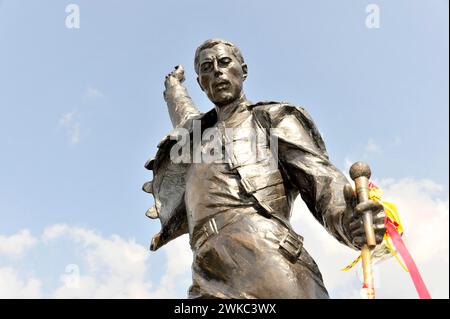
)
(275, 111)
(273, 114)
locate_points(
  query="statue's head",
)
(221, 71)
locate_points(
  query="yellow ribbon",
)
(391, 212)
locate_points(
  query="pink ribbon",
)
(409, 261)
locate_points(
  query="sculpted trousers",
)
(243, 261)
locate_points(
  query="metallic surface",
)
(369, 282)
(360, 173)
(237, 213)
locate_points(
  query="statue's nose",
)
(217, 70)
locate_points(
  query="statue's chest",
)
(214, 182)
(239, 168)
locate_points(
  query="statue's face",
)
(220, 74)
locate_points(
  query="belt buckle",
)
(210, 228)
(291, 246)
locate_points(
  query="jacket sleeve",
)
(303, 155)
(179, 103)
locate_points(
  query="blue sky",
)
(82, 109)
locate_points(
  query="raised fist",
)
(175, 77)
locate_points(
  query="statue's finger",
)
(179, 70)
(378, 227)
(369, 205)
(380, 215)
(178, 74)
(379, 220)
(349, 195)
(357, 223)
(359, 232)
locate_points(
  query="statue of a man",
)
(237, 211)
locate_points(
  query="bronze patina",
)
(236, 208)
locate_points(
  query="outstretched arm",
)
(178, 101)
(322, 186)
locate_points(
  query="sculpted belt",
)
(290, 245)
(210, 228)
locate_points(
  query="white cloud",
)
(75, 133)
(424, 214)
(110, 267)
(66, 118)
(54, 231)
(177, 278)
(372, 147)
(17, 244)
(72, 127)
(13, 286)
(115, 268)
(93, 93)
(119, 269)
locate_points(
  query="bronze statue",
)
(235, 209)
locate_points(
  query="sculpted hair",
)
(213, 42)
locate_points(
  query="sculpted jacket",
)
(304, 168)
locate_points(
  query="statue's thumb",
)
(349, 194)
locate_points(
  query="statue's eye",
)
(224, 61)
(205, 67)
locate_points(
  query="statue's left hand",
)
(352, 220)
